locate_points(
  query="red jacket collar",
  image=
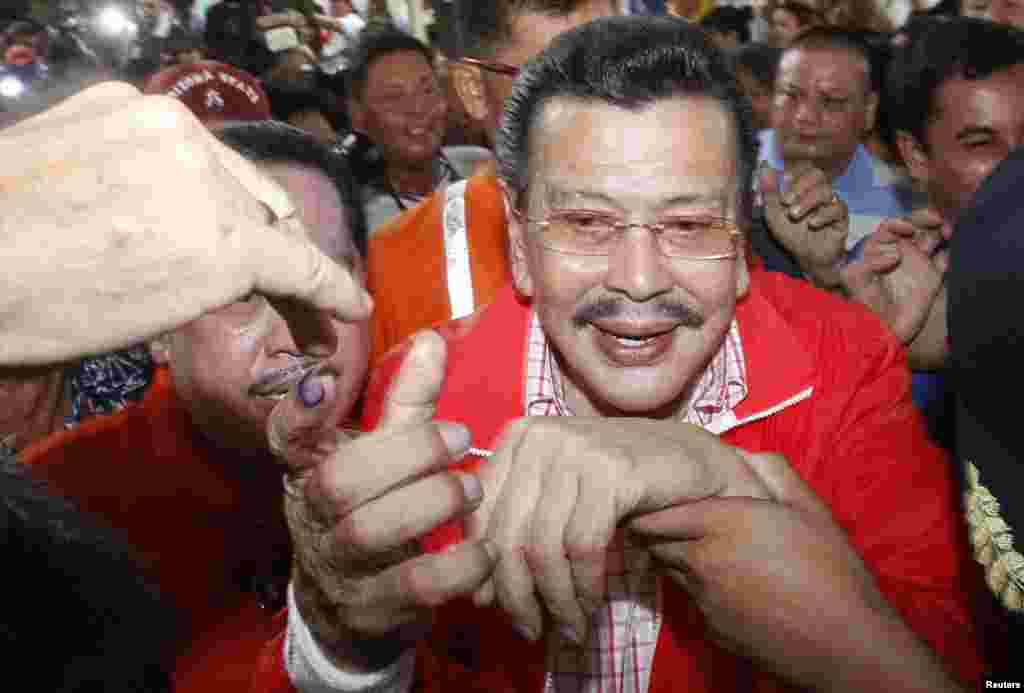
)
(780, 370)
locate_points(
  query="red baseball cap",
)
(213, 91)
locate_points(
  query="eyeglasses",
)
(491, 66)
(693, 237)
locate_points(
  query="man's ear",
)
(517, 251)
(468, 81)
(914, 157)
(742, 273)
(160, 349)
(357, 115)
(871, 112)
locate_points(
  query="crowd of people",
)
(581, 347)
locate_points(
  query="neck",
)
(415, 179)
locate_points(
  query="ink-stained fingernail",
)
(311, 389)
(455, 436)
(526, 632)
(471, 488)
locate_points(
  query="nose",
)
(637, 267)
(807, 112)
(279, 340)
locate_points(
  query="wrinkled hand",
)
(900, 273)
(558, 487)
(778, 582)
(808, 219)
(133, 220)
(356, 509)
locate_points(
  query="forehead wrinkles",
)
(982, 102)
(613, 161)
(829, 67)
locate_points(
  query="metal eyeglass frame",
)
(655, 228)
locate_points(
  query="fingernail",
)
(367, 301)
(572, 635)
(471, 488)
(455, 436)
(526, 632)
(311, 390)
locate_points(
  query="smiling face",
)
(633, 330)
(231, 365)
(823, 106)
(402, 108)
(975, 125)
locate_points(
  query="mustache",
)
(281, 379)
(619, 308)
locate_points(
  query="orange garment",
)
(207, 525)
(406, 269)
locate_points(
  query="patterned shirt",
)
(107, 383)
(624, 632)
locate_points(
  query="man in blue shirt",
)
(824, 105)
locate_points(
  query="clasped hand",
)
(540, 516)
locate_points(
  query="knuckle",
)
(584, 547)
(425, 583)
(539, 555)
(357, 535)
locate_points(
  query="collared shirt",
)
(868, 187)
(620, 651)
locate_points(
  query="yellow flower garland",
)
(992, 539)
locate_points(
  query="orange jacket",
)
(406, 267)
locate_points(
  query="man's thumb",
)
(413, 395)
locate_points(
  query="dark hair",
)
(374, 43)
(115, 632)
(481, 25)
(804, 15)
(941, 49)
(729, 20)
(271, 142)
(628, 62)
(760, 60)
(824, 38)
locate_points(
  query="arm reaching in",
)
(126, 218)
(778, 582)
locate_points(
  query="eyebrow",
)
(558, 197)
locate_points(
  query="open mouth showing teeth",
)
(634, 341)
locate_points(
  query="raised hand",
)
(558, 487)
(900, 274)
(133, 220)
(356, 509)
(808, 219)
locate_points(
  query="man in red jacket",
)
(186, 477)
(702, 479)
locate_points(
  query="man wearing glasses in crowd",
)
(628, 384)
